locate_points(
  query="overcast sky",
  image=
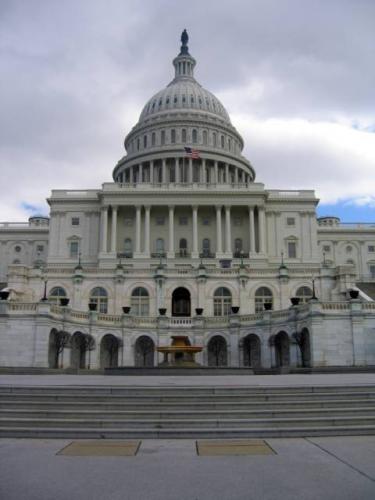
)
(296, 76)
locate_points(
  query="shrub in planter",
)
(199, 311)
(92, 306)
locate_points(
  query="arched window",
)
(99, 296)
(162, 137)
(183, 135)
(160, 245)
(222, 302)
(195, 136)
(138, 144)
(206, 247)
(205, 140)
(304, 293)
(262, 296)
(173, 136)
(153, 139)
(183, 247)
(214, 139)
(128, 247)
(56, 294)
(145, 141)
(140, 302)
(222, 141)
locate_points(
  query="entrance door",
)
(181, 302)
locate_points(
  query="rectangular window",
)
(372, 271)
(128, 222)
(40, 248)
(371, 248)
(183, 220)
(326, 248)
(206, 221)
(75, 221)
(73, 249)
(292, 250)
(290, 221)
(237, 221)
(160, 221)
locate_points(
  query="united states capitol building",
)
(184, 241)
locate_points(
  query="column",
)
(177, 170)
(195, 253)
(171, 233)
(219, 247)
(147, 231)
(228, 238)
(140, 172)
(203, 171)
(138, 231)
(114, 230)
(164, 171)
(104, 223)
(227, 173)
(190, 178)
(251, 230)
(152, 171)
(216, 169)
(262, 230)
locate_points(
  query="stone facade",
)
(183, 230)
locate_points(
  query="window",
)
(195, 136)
(140, 302)
(173, 136)
(145, 141)
(222, 141)
(205, 140)
(160, 245)
(372, 270)
(206, 247)
(304, 293)
(40, 248)
(371, 248)
(237, 221)
(99, 296)
(73, 249)
(128, 221)
(183, 247)
(75, 221)
(214, 139)
(290, 221)
(349, 249)
(326, 248)
(153, 139)
(222, 302)
(262, 296)
(56, 294)
(162, 138)
(160, 220)
(17, 249)
(206, 221)
(238, 247)
(292, 249)
(16, 261)
(183, 135)
(138, 144)
(128, 247)
(183, 220)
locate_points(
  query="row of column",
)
(260, 248)
(217, 175)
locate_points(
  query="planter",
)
(126, 309)
(268, 306)
(64, 301)
(295, 301)
(92, 306)
(4, 295)
(354, 294)
(235, 309)
(162, 311)
(199, 311)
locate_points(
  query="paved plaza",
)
(297, 468)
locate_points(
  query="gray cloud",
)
(75, 76)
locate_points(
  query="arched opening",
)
(304, 293)
(140, 302)
(263, 296)
(282, 355)
(109, 348)
(78, 353)
(144, 351)
(181, 305)
(222, 301)
(58, 340)
(217, 351)
(251, 351)
(56, 294)
(99, 296)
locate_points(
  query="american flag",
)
(194, 153)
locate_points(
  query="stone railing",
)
(335, 306)
(180, 322)
(21, 307)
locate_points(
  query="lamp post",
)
(44, 298)
(313, 288)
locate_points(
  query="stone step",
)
(79, 405)
(185, 433)
(152, 414)
(170, 423)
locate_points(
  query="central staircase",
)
(186, 412)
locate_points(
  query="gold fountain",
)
(181, 351)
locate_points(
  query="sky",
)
(296, 76)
